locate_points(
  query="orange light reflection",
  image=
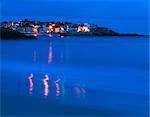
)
(30, 83)
(46, 86)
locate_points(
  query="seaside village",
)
(31, 27)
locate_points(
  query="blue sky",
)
(126, 16)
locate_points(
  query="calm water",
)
(75, 76)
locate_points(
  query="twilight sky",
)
(126, 16)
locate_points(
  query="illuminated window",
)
(57, 30)
(34, 30)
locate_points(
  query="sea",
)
(75, 76)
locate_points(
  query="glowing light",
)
(57, 86)
(79, 29)
(36, 26)
(83, 29)
(35, 35)
(62, 30)
(32, 25)
(12, 24)
(86, 29)
(46, 86)
(63, 89)
(57, 89)
(67, 28)
(57, 30)
(50, 35)
(34, 30)
(50, 27)
(30, 83)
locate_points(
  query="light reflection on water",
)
(55, 84)
(34, 56)
(92, 73)
(80, 91)
(30, 83)
(50, 54)
(46, 86)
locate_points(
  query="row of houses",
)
(26, 26)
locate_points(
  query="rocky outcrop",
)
(100, 31)
(6, 33)
(131, 35)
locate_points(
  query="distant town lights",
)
(50, 27)
(35, 30)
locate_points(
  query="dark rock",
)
(131, 35)
(6, 33)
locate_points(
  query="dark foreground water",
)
(75, 76)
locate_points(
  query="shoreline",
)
(33, 29)
(6, 33)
